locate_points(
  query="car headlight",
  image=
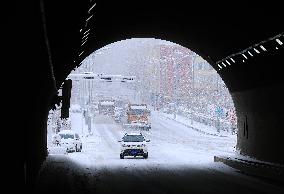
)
(124, 145)
(143, 145)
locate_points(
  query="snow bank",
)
(57, 150)
(202, 128)
(139, 107)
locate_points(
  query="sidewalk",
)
(270, 172)
(200, 127)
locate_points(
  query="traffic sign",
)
(101, 77)
(219, 111)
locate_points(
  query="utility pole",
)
(193, 80)
(175, 88)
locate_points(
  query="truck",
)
(138, 116)
(118, 114)
(106, 107)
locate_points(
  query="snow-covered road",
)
(171, 144)
(180, 161)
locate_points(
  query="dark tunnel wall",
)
(260, 109)
(37, 91)
(260, 123)
(256, 91)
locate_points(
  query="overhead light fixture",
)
(81, 53)
(228, 62)
(250, 54)
(86, 31)
(89, 18)
(85, 35)
(91, 7)
(256, 50)
(262, 47)
(279, 41)
(86, 38)
(84, 42)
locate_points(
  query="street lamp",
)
(193, 80)
(192, 69)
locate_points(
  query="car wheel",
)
(76, 149)
(80, 148)
(145, 156)
(121, 156)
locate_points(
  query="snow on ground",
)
(206, 129)
(78, 123)
(56, 150)
(180, 161)
(171, 143)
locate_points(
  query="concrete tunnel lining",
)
(65, 48)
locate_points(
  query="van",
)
(70, 140)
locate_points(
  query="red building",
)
(175, 71)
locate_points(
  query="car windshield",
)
(133, 138)
(66, 136)
(138, 111)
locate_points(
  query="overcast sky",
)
(120, 57)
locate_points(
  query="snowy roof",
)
(138, 107)
(133, 133)
(107, 103)
(66, 132)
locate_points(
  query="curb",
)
(196, 129)
(268, 171)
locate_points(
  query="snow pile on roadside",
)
(208, 130)
(57, 150)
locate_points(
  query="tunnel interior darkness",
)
(255, 84)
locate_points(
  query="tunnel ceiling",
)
(212, 30)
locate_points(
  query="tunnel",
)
(241, 41)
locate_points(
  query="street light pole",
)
(193, 80)
(82, 123)
(174, 85)
(192, 69)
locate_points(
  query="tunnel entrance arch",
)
(263, 139)
(170, 74)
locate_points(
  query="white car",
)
(133, 144)
(70, 140)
